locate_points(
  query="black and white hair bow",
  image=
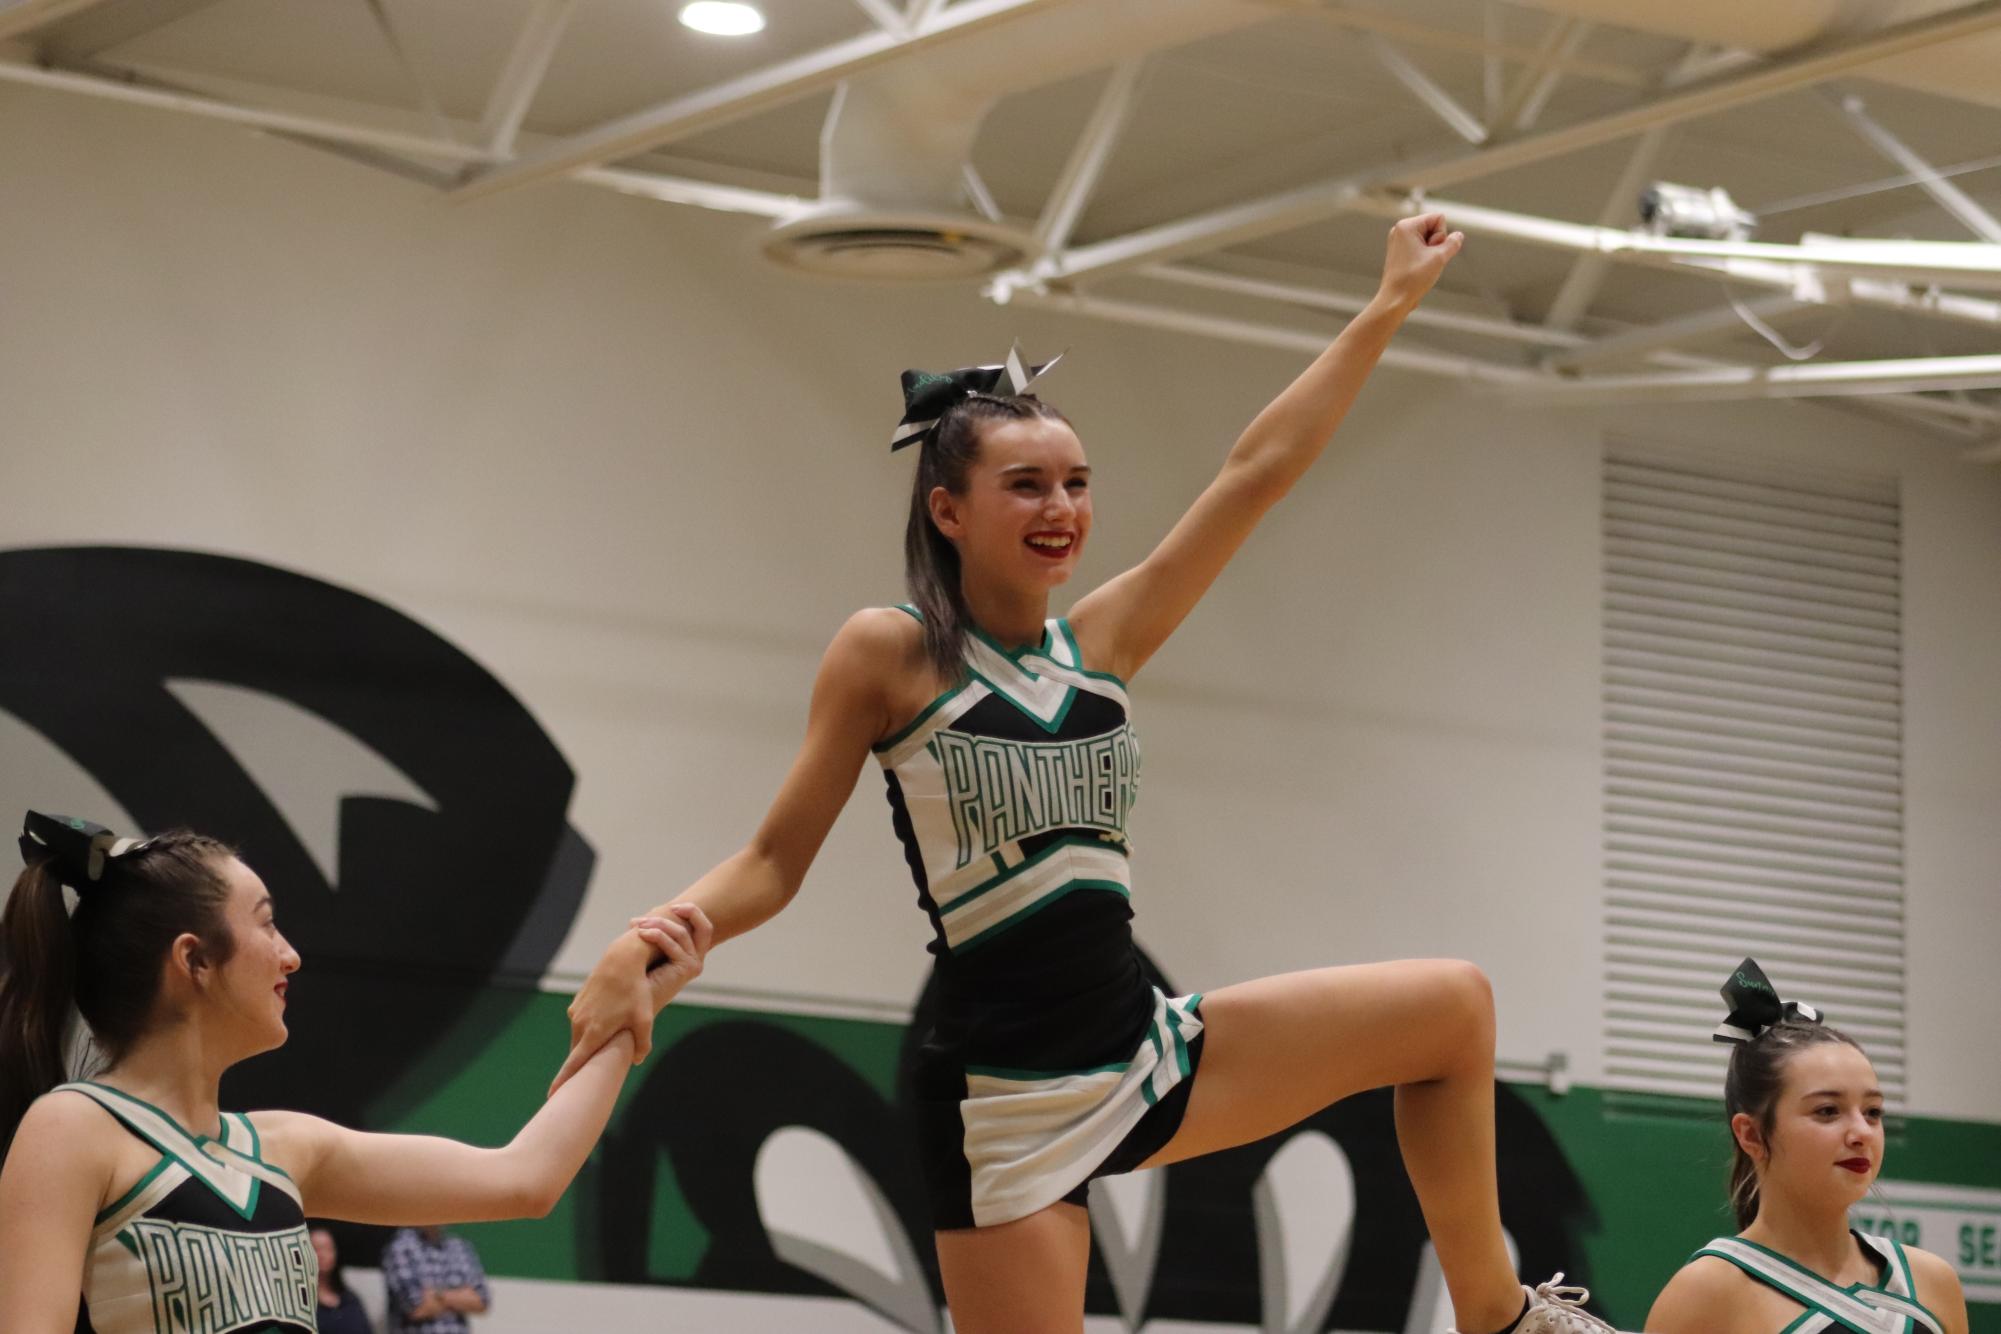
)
(1755, 1006)
(928, 394)
(77, 850)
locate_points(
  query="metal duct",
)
(895, 147)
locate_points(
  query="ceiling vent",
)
(895, 148)
(894, 246)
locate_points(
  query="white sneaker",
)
(1555, 1309)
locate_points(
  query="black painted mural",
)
(458, 892)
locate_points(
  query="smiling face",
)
(1025, 513)
(246, 994)
(1825, 1145)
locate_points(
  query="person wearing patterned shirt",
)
(1806, 1119)
(130, 1203)
(1006, 742)
(434, 1282)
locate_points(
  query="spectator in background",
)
(434, 1280)
(339, 1311)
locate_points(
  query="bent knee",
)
(1465, 991)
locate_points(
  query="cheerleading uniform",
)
(1888, 1307)
(212, 1240)
(1052, 1059)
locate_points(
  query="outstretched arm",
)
(849, 711)
(417, 1179)
(1121, 624)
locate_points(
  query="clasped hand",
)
(639, 974)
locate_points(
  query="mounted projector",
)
(841, 241)
(1667, 209)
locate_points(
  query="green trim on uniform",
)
(138, 1187)
(203, 1170)
(159, 1112)
(1037, 906)
(1070, 638)
(902, 734)
(1053, 724)
(1078, 654)
(1014, 655)
(1770, 1280)
(1008, 873)
(1904, 1267)
(1894, 1265)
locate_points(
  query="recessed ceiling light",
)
(723, 18)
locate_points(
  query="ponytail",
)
(37, 993)
(102, 962)
(930, 562)
(1743, 1186)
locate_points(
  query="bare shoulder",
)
(882, 637)
(1938, 1288)
(293, 1141)
(66, 1116)
(876, 669)
(67, 1138)
(1706, 1296)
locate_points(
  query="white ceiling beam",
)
(1399, 354)
(1413, 33)
(1812, 65)
(18, 18)
(1709, 382)
(1306, 204)
(921, 14)
(1634, 344)
(978, 195)
(1795, 380)
(884, 15)
(735, 99)
(1086, 164)
(279, 122)
(1535, 84)
(1928, 178)
(1493, 71)
(698, 194)
(1825, 261)
(111, 25)
(1442, 104)
(1349, 303)
(1587, 275)
(1545, 87)
(527, 64)
(1649, 343)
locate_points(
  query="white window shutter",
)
(1753, 771)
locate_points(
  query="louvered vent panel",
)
(1753, 722)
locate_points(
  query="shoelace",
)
(1566, 1305)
